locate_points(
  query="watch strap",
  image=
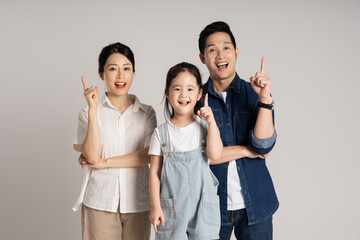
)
(266, 105)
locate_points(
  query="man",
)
(244, 114)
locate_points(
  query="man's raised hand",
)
(261, 84)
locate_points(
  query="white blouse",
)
(121, 134)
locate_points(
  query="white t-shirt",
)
(235, 198)
(180, 139)
(121, 134)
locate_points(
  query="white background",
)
(312, 56)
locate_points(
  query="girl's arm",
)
(156, 215)
(91, 148)
(135, 159)
(214, 147)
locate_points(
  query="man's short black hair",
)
(214, 28)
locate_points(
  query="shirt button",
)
(224, 190)
(228, 124)
(245, 191)
(238, 169)
(224, 165)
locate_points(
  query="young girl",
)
(187, 205)
(113, 134)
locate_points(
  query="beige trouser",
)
(101, 225)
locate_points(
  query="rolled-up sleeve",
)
(262, 146)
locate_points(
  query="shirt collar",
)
(136, 105)
(235, 85)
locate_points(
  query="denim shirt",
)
(236, 120)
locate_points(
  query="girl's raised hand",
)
(157, 217)
(205, 112)
(91, 94)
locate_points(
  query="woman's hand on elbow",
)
(96, 163)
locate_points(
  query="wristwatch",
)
(265, 105)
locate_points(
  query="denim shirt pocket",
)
(242, 126)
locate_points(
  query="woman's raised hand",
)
(205, 112)
(91, 94)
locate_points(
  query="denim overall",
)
(188, 195)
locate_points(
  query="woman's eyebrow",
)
(111, 64)
(114, 64)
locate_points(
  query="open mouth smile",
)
(222, 65)
(183, 103)
(120, 85)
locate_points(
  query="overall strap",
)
(164, 138)
(203, 133)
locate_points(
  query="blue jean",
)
(239, 222)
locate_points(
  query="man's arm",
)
(230, 153)
(264, 127)
(263, 136)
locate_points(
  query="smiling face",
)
(183, 94)
(220, 57)
(118, 75)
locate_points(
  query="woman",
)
(113, 136)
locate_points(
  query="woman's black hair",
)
(173, 73)
(115, 48)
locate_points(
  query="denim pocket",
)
(168, 207)
(211, 209)
(242, 127)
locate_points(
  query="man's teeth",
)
(120, 84)
(222, 64)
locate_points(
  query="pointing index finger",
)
(262, 69)
(84, 83)
(206, 100)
